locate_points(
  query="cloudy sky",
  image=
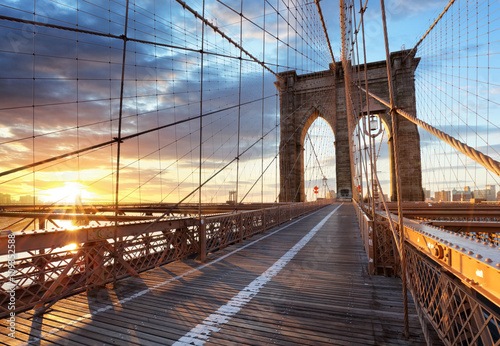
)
(61, 92)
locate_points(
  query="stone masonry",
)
(304, 98)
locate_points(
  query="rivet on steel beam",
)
(479, 256)
(470, 252)
(488, 260)
(498, 265)
(462, 249)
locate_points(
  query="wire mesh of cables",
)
(147, 102)
(457, 92)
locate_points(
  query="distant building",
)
(5, 198)
(488, 194)
(491, 193)
(27, 199)
(461, 196)
(443, 196)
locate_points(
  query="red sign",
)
(316, 189)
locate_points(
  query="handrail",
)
(448, 273)
(46, 268)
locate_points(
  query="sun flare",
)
(70, 193)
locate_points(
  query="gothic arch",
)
(303, 98)
(315, 114)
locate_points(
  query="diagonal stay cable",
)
(326, 32)
(216, 173)
(109, 35)
(484, 160)
(114, 140)
(220, 32)
(414, 49)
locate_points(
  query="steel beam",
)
(476, 264)
(468, 226)
(33, 240)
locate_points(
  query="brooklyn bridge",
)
(249, 172)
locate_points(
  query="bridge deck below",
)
(279, 287)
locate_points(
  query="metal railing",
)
(50, 265)
(454, 280)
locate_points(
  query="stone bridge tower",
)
(304, 98)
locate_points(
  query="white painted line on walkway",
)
(213, 323)
(55, 330)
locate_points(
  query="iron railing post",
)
(202, 236)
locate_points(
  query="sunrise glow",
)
(69, 193)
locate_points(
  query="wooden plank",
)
(324, 295)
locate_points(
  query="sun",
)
(70, 193)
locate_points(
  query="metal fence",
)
(463, 308)
(50, 265)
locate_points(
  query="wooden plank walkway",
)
(279, 287)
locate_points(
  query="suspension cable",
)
(430, 29)
(326, 32)
(217, 30)
(395, 135)
(484, 160)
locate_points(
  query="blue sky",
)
(73, 80)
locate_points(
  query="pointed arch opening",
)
(318, 141)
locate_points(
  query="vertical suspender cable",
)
(262, 119)
(395, 119)
(373, 163)
(119, 135)
(201, 111)
(33, 111)
(362, 132)
(277, 144)
(239, 112)
(359, 133)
